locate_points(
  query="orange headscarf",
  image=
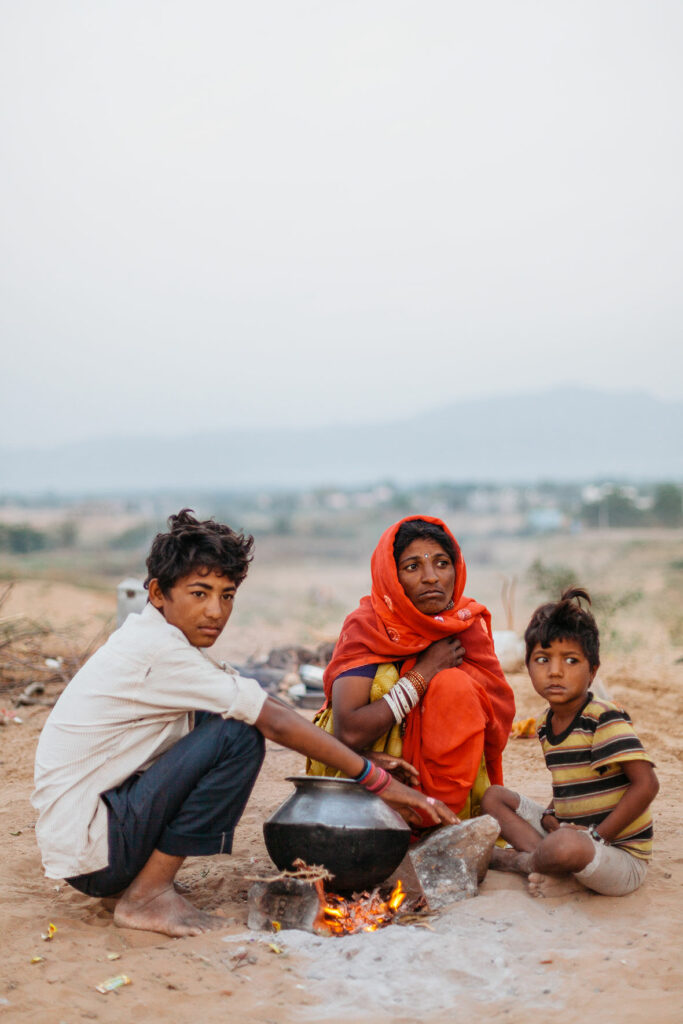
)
(439, 736)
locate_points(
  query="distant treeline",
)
(22, 539)
(620, 508)
(333, 513)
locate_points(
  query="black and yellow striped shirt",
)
(585, 762)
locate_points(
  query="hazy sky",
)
(220, 213)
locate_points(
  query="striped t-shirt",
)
(585, 762)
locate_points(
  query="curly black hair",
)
(191, 545)
(565, 619)
(417, 528)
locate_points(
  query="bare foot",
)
(510, 860)
(109, 902)
(167, 912)
(553, 885)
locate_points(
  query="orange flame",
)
(367, 913)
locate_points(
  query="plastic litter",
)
(523, 729)
(9, 716)
(111, 984)
(312, 675)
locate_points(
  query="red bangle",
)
(376, 781)
(418, 681)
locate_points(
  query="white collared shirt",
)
(125, 707)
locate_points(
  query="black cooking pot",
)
(338, 824)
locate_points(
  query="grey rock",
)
(452, 861)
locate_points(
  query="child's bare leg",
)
(555, 861)
(151, 902)
(502, 805)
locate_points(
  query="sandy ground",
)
(500, 957)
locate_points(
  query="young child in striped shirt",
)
(597, 829)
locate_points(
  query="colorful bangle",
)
(418, 681)
(367, 768)
(377, 781)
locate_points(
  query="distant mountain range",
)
(562, 434)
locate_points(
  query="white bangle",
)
(396, 711)
(402, 698)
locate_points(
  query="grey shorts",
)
(611, 872)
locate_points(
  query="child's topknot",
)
(565, 619)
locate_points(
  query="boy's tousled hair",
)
(190, 545)
(414, 529)
(565, 619)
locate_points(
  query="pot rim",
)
(325, 779)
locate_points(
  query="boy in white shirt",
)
(152, 750)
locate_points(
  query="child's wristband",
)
(594, 834)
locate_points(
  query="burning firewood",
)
(297, 899)
(364, 913)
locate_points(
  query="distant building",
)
(545, 520)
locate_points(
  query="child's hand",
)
(550, 822)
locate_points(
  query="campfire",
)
(298, 899)
(444, 868)
(366, 913)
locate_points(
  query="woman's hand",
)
(446, 653)
(416, 808)
(396, 766)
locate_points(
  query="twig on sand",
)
(303, 872)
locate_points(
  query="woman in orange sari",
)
(414, 680)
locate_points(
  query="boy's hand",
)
(550, 822)
(416, 808)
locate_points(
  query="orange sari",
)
(466, 714)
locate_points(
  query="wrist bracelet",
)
(367, 768)
(594, 834)
(418, 681)
(402, 698)
(377, 780)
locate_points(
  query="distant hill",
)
(563, 434)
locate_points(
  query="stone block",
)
(294, 904)
(452, 861)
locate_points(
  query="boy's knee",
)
(491, 799)
(565, 850)
(247, 737)
(497, 797)
(239, 738)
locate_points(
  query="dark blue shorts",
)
(186, 804)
